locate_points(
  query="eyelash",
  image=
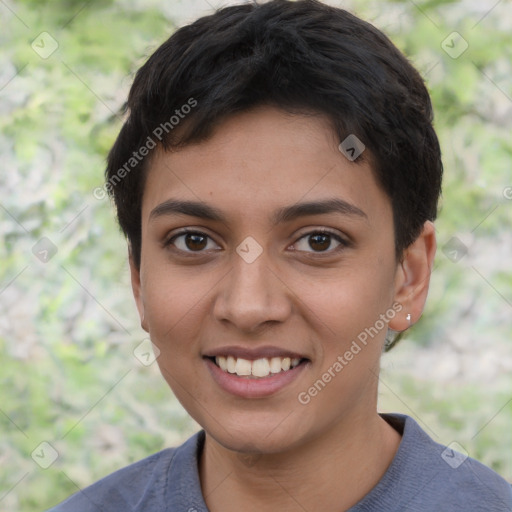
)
(343, 243)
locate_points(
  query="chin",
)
(257, 433)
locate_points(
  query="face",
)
(264, 247)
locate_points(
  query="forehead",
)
(262, 160)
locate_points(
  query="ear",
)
(413, 278)
(137, 289)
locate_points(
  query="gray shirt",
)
(424, 476)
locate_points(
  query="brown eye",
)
(191, 241)
(195, 242)
(320, 242)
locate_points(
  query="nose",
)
(252, 296)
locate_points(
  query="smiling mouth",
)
(257, 369)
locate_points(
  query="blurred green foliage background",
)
(69, 327)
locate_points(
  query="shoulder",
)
(143, 483)
(432, 476)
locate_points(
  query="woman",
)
(277, 180)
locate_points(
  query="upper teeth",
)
(258, 368)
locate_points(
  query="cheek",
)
(172, 303)
(174, 306)
(350, 300)
(345, 317)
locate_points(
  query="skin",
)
(275, 453)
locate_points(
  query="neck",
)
(332, 471)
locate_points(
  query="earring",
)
(408, 318)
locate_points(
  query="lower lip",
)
(253, 388)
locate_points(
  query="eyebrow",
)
(285, 214)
